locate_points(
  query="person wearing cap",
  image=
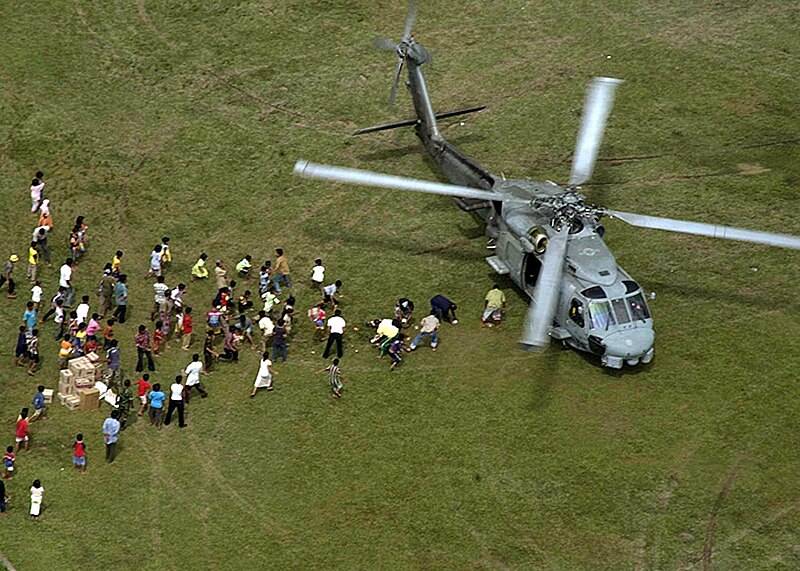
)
(6, 275)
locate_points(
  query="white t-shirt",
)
(66, 275)
(263, 369)
(176, 391)
(155, 260)
(330, 289)
(161, 290)
(36, 294)
(336, 324)
(266, 326)
(83, 312)
(36, 191)
(59, 316)
(193, 373)
(318, 274)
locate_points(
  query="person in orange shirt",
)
(65, 352)
(45, 216)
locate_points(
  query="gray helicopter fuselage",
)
(601, 309)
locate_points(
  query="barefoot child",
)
(79, 454)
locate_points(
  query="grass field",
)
(184, 119)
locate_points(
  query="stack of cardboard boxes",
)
(76, 386)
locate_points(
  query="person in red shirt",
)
(144, 386)
(158, 337)
(187, 328)
(79, 454)
(22, 431)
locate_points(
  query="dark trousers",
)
(119, 313)
(200, 389)
(11, 284)
(229, 355)
(151, 366)
(44, 250)
(337, 337)
(279, 348)
(60, 330)
(111, 451)
(173, 404)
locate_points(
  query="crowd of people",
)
(263, 318)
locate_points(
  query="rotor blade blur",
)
(412, 13)
(596, 108)
(711, 230)
(398, 71)
(367, 178)
(548, 288)
(384, 44)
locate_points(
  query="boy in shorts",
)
(143, 385)
(157, 406)
(22, 438)
(8, 463)
(79, 454)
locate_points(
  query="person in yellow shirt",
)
(199, 270)
(166, 253)
(33, 262)
(281, 271)
(65, 352)
(116, 264)
(493, 307)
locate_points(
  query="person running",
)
(37, 193)
(155, 262)
(79, 454)
(264, 378)
(36, 294)
(65, 281)
(318, 275)
(166, 254)
(22, 437)
(186, 327)
(317, 316)
(156, 413)
(209, 355)
(142, 386)
(193, 371)
(21, 352)
(143, 349)
(231, 345)
(33, 262)
(176, 390)
(111, 428)
(33, 352)
(116, 264)
(336, 325)
(39, 237)
(39, 404)
(335, 378)
(161, 291)
(121, 298)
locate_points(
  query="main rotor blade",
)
(384, 44)
(596, 109)
(712, 230)
(367, 178)
(398, 71)
(412, 13)
(548, 288)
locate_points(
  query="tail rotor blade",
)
(396, 83)
(548, 287)
(596, 109)
(412, 13)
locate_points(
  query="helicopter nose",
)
(629, 344)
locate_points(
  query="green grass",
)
(184, 119)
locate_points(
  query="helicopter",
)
(546, 237)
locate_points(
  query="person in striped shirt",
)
(143, 348)
(335, 378)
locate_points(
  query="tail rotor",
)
(401, 49)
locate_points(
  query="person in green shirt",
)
(493, 307)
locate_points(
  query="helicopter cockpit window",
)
(594, 292)
(620, 313)
(638, 307)
(600, 314)
(576, 312)
(630, 286)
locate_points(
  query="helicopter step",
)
(559, 333)
(498, 265)
(472, 204)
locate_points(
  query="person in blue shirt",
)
(110, 431)
(157, 397)
(38, 404)
(121, 298)
(29, 317)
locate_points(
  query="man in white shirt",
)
(266, 326)
(160, 298)
(65, 281)
(37, 188)
(336, 325)
(83, 310)
(40, 239)
(193, 372)
(175, 402)
(176, 297)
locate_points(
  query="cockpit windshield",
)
(638, 307)
(600, 314)
(620, 313)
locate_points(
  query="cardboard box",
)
(62, 398)
(65, 375)
(82, 383)
(48, 396)
(89, 399)
(72, 402)
(93, 357)
(66, 388)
